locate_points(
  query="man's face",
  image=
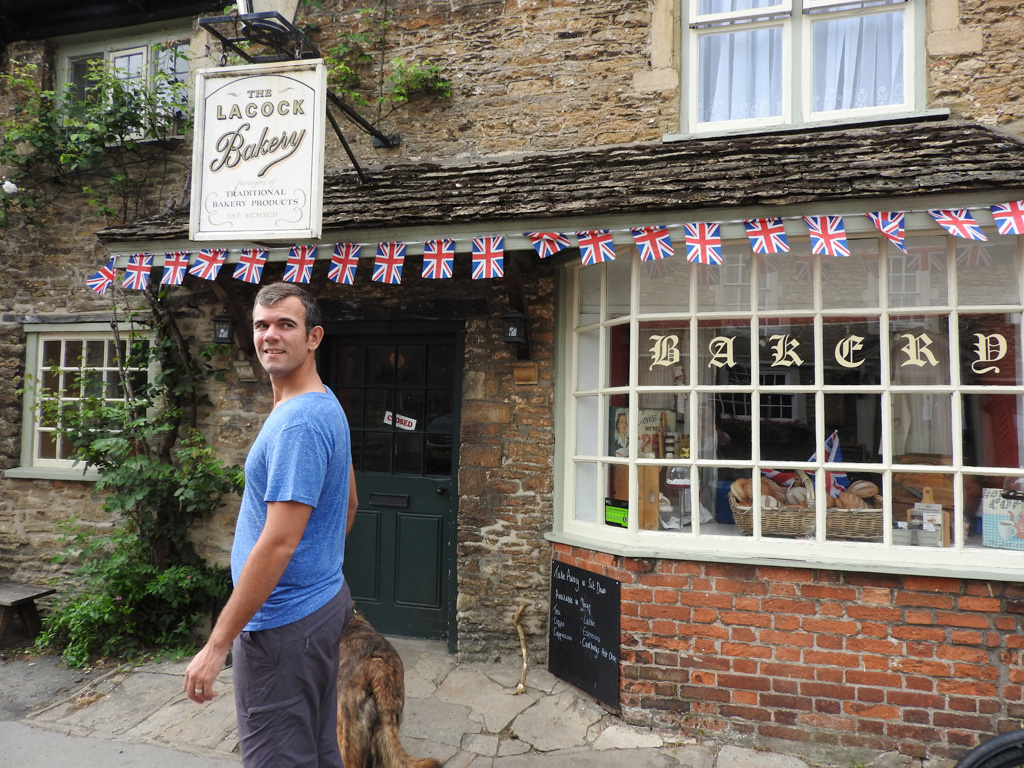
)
(279, 333)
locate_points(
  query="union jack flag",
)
(785, 479)
(959, 223)
(654, 243)
(837, 481)
(828, 235)
(208, 262)
(103, 279)
(1009, 217)
(175, 265)
(974, 255)
(299, 267)
(387, 267)
(703, 243)
(767, 235)
(596, 246)
(344, 263)
(438, 259)
(250, 265)
(924, 258)
(488, 257)
(548, 243)
(890, 224)
(136, 271)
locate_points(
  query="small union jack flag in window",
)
(959, 223)
(767, 235)
(250, 265)
(387, 267)
(1009, 218)
(653, 242)
(175, 266)
(208, 262)
(703, 243)
(438, 259)
(973, 255)
(548, 243)
(828, 235)
(890, 224)
(102, 280)
(299, 267)
(596, 246)
(344, 263)
(488, 257)
(136, 271)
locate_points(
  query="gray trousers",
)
(285, 682)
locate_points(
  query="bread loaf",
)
(796, 496)
(847, 500)
(741, 489)
(863, 488)
(769, 502)
(771, 488)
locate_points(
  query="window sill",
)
(51, 473)
(857, 558)
(846, 122)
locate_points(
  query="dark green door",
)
(399, 392)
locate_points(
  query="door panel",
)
(399, 392)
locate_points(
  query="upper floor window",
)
(156, 61)
(754, 63)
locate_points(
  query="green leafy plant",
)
(360, 54)
(115, 145)
(142, 585)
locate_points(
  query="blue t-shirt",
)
(302, 453)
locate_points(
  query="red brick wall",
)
(921, 665)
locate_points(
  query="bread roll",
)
(769, 502)
(771, 488)
(797, 496)
(741, 489)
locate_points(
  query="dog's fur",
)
(371, 696)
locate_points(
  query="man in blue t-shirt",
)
(290, 602)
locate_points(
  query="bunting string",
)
(702, 241)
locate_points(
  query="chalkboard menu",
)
(583, 647)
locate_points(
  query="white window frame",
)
(145, 40)
(795, 17)
(35, 336)
(958, 560)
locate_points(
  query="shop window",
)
(753, 63)
(743, 415)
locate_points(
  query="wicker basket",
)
(853, 524)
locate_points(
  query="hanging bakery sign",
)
(258, 153)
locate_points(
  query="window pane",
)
(921, 424)
(786, 349)
(990, 349)
(783, 282)
(857, 62)
(588, 369)
(377, 456)
(589, 295)
(740, 75)
(618, 276)
(917, 278)
(851, 351)
(587, 503)
(665, 284)
(785, 435)
(987, 273)
(992, 427)
(619, 356)
(919, 350)
(852, 282)
(410, 362)
(587, 425)
(73, 354)
(408, 453)
(723, 6)
(857, 418)
(726, 287)
(409, 404)
(441, 365)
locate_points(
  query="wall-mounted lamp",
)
(223, 330)
(513, 327)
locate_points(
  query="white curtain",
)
(740, 75)
(858, 62)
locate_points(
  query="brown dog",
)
(371, 696)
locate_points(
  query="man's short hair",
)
(275, 292)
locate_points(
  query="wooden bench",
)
(20, 600)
